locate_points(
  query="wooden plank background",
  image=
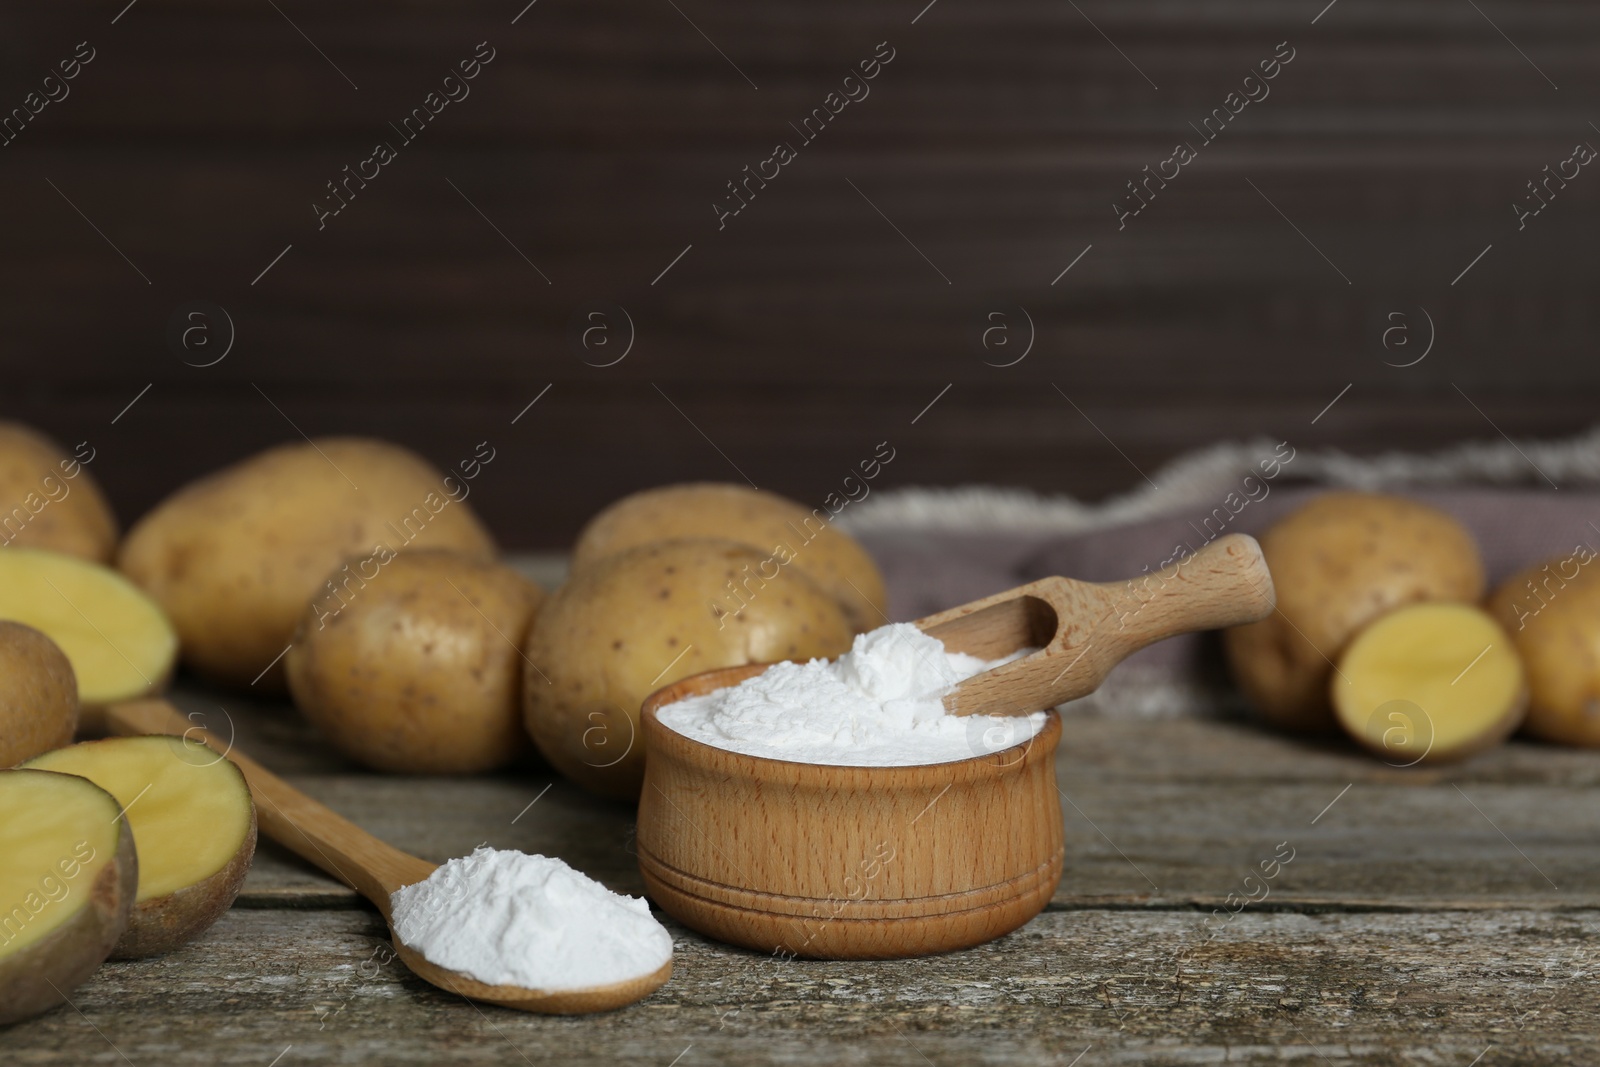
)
(1251, 291)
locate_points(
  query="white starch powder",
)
(878, 705)
(507, 918)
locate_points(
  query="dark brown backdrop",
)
(1391, 150)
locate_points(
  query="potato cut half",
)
(1430, 682)
(67, 877)
(194, 823)
(121, 645)
(1339, 562)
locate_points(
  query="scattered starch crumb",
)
(878, 705)
(507, 918)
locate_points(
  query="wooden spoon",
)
(369, 866)
(1083, 629)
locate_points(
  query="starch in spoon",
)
(504, 917)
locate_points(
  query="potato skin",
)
(163, 924)
(627, 625)
(831, 558)
(69, 514)
(30, 979)
(419, 671)
(1556, 627)
(235, 557)
(1339, 562)
(38, 694)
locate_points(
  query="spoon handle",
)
(310, 830)
(1083, 629)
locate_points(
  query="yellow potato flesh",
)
(56, 835)
(1430, 681)
(120, 644)
(188, 810)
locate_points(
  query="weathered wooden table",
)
(1431, 917)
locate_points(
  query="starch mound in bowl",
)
(878, 705)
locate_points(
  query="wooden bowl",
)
(845, 862)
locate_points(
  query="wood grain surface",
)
(1364, 989)
(850, 292)
(1424, 917)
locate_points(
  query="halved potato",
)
(38, 694)
(194, 823)
(121, 645)
(1338, 562)
(1430, 682)
(67, 876)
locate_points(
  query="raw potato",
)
(49, 500)
(66, 886)
(38, 695)
(624, 627)
(120, 644)
(782, 529)
(1552, 612)
(235, 557)
(1430, 683)
(1339, 562)
(192, 819)
(419, 670)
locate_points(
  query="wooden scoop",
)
(1083, 629)
(369, 866)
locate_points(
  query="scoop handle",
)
(312, 831)
(1083, 629)
(1224, 584)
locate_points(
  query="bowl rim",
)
(657, 734)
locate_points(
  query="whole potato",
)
(631, 623)
(786, 533)
(1338, 562)
(1552, 612)
(418, 669)
(235, 557)
(48, 499)
(38, 694)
